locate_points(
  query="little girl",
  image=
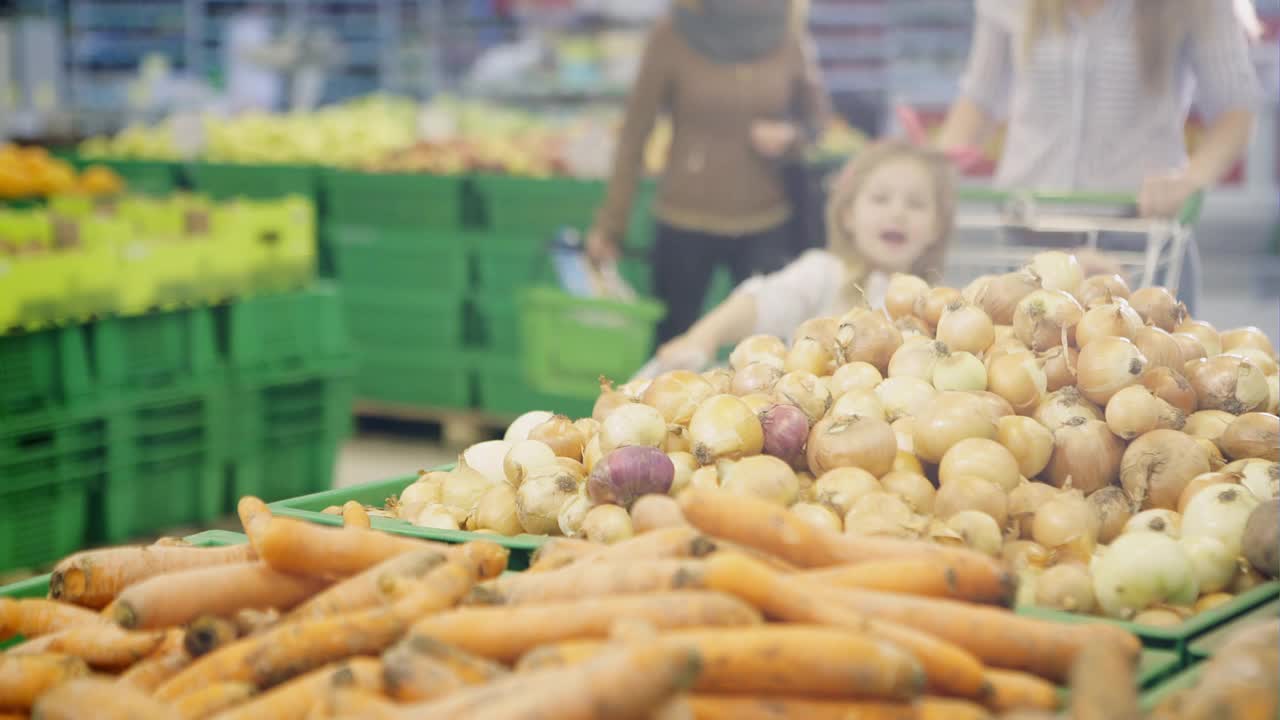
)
(890, 210)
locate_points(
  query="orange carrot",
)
(171, 542)
(997, 637)
(298, 547)
(936, 708)
(777, 531)
(93, 578)
(254, 516)
(164, 662)
(589, 579)
(179, 597)
(767, 707)
(1103, 685)
(348, 702)
(573, 652)
(949, 669)
(33, 617)
(296, 647)
(98, 698)
(1013, 690)
(910, 576)
(292, 700)
(354, 515)
(419, 668)
(380, 584)
(252, 622)
(211, 700)
(672, 542)
(506, 633)
(558, 552)
(103, 647)
(24, 678)
(208, 633)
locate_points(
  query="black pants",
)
(683, 261)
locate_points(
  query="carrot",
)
(1013, 690)
(764, 707)
(573, 652)
(910, 576)
(589, 579)
(208, 633)
(252, 622)
(379, 584)
(284, 651)
(558, 552)
(171, 542)
(254, 516)
(298, 547)
(627, 682)
(98, 698)
(1103, 684)
(33, 617)
(103, 647)
(354, 515)
(672, 542)
(936, 708)
(208, 701)
(292, 700)
(420, 668)
(94, 577)
(777, 531)
(163, 663)
(997, 637)
(506, 633)
(346, 702)
(179, 597)
(24, 678)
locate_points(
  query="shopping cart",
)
(1149, 251)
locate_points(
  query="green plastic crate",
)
(403, 321)
(1183, 680)
(429, 378)
(568, 343)
(375, 494)
(285, 330)
(501, 389)
(372, 258)
(270, 407)
(393, 200)
(296, 465)
(495, 325)
(507, 261)
(43, 371)
(275, 239)
(156, 350)
(142, 177)
(538, 205)
(224, 181)
(1206, 645)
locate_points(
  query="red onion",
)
(628, 473)
(786, 429)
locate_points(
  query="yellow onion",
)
(966, 328)
(930, 307)
(819, 516)
(950, 418)
(1247, 337)
(685, 465)
(677, 394)
(1158, 307)
(608, 401)
(912, 327)
(917, 360)
(1066, 587)
(1113, 509)
(720, 378)
(1057, 270)
(803, 390)
(562, 436)
(972, 293)
(1100, 289)
(1046, 318)
(1159, 347)
(541, 497)
(677, 439)
(632, 424)
(1024, 501)
(1107, 366)
(1022, 555)
(885, 515)
(841, 487)
(724, 427)
(1116, 319)
(705, 478)
(607, 524)
(1136, 411)
(859, 402)
(903, 430)
(855, 376)
(905, 397)
(902, 294)
(763, 477)
(496, 511)
(1030, 443)
(1060, 407)
(591, 454)
(755, 378)
(1066, 524)
(996, 406)
(1262, 477)
(1001, 295)
(1169, 385)
(959, 371)
(978, 531)
(1260, 359)
(1273, 390)
(1086, 456)
(822, 329)
(1252, 435)
(1157, 467)
(868, 336)
(765, 349)
(971, 493)
(1229, 383)
(1206, 333)
(810, 355)
(519, 428)
(759, 402)
(866, 443)
(1004, 346)
(1189, 347)
(1216, 459)
(1019, 379)
(1200, 482)
(1059, 365)
(980, 458)
(525, 457)
(913, 487)
(1208, 424)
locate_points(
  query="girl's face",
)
(894, 218)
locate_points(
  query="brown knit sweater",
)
(715, 181)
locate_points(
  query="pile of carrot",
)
(738, 609)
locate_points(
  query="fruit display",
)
(30, 172)
(1119, 455)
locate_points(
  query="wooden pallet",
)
(459, 427)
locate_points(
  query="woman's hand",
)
(685, 352)
(1164, 195)
(600, 247)
(771, 139)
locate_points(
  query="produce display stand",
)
(1206, 645)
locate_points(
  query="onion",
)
(765, 349)
(755, 378)
(436, 516)
(1211, 600)
(1158, 465)
(417, 496)
(1030, 443)
(912, 487)
(653, 512)
(519, 428)
(720, 378)
(1229, 383)
(1159, 348)
(1252, 435)
(905, 461)
(822, 329)
(562, 436)
(461, 490)
(978, 531)
(1261, 477)
(810, 355)
(683, 466)
(904, 431)
(496, 511)
(971, 493)
(1200, 482)
(1189, 346)
(803, 390)
(786, 430)
(540, 498)
(1158, 307)
(1211, 561)
(859, 402)
(1067, 587)
(607, 524)
(1046, 318)
(880, 513)
(966, 328)
(1247, 578)
(807, 481)
(840, 488)
(676, 394)
(705, 478)
(634, 390)
(1113, 510)
(1019, 379)
(573, 467)
(1162, 617)
(1208, 424)
(759, 402)
(1002, 294)
(1057, 270)
(487, 459)
(724, 427)
(1116, 319)
(1169, 385)
(912, 327)
(867, 443)
(632, 425)
(1206, 333)
(1262, 360)
(1009, 346)
(902, 294)
(1102, 289)
(1136, 411)
(1059, 365)
(1068, 524)
(1024, 555)
(1024, 501)
(868, 336)
(591, 454)
(677, 439)
(1061, 407)
(1107, 366)
(608, 401)
(1273, 391)
(1216, 460)
(981, 458)
(1162, 521)
(1086, 456)
(959, 371)
(996, 406)
(630, 472)
(951, 417)
(855, 376)
(905, 397)
(930, 307)
(1220, 511)
(763, 477)
(525, 456)
(819, 516)
(1246, 337)
(972, 293)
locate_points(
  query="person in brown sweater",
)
(740, 83)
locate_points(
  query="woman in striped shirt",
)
(1096, 94)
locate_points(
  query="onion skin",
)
(720, 379)
(866, 443)
(627, 473)
(1136, 411)
(786, 431)
(1019, 379)
(822, 329)
(1107, 366)
(1086, 454)
(1002, 294)
(854, 376)
(912, 487)
(1059, 366)
(1158, 307)
(912, 326)
(607, 524)
(755, 378)
(1200, 482)
(1247, 337)
(981, 458)
(633, 424)
(1159, 348)
(765, 349)
(868, 336)
(810, 355)
(677, 394)
(966, 328)
(1208, 424)
(1157, 467)
(1030, 443)
(1058, 408)
(1116, 319)
(1044, 317)
(763, 477)
(725, 428)
(804, 391)
(1024, 501)
(1252, 435)
(1100, 289)
(1228, 383)
(1113, 510)
(1190, 347)
(951, 417)
(996, 406)
(1170, 386)
(608, 401)
(971, 493)
(562, 436)
(902, 294)
(1066, 587)
(935, 302)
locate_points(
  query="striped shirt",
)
(1078, 115)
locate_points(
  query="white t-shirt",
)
(810, 286)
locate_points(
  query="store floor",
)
(372, 456)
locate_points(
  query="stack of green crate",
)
(401, 252)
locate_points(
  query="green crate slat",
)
(223, 181)
(312, 405)
(375, 494)
(501, 388)
(155, 350)
(532, 205)
(293, 466)
(506, 261)
(1206, 645)
(427, 379)
(43, 371)
(142, 177)
(140, 499)
(1183, 680)
(286, 330)
(495, 324)
(404, 321)
(567, 342)
(388, 200)
(42, 524)
(53, 447)
(407, 260)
